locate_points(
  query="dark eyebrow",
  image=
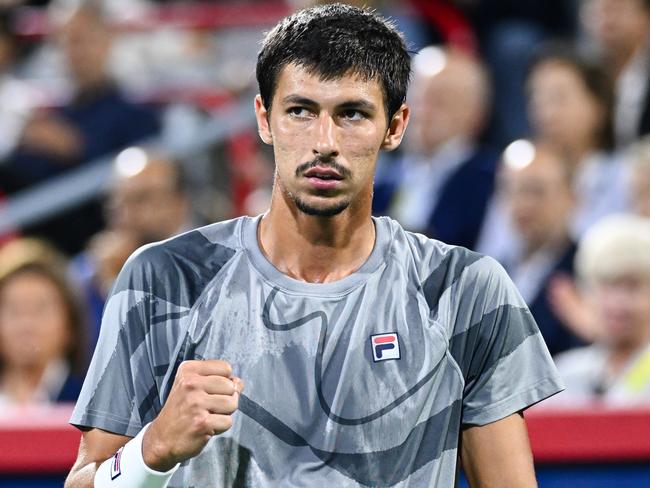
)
(298, 100)
(359, 104)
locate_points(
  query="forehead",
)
(298, 80)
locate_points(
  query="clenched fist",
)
(200, 405)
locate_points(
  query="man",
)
(443, 182)
(96, 121)
(148, 202)
(538, 193)
(367, 352)
(620, 30)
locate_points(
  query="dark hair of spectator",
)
(36, 257)
(333, 41)
(595, 78)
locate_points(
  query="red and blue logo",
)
(385, 346)
(116, 469)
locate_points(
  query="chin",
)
(321, 210)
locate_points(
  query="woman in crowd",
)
(41, 332)
(613, 263)
(570, 107)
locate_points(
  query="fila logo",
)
(115, 465)
(385, 346)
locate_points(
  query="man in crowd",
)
(442, 183)
(148, 201)
(538, 193)
(97, 120)
(620, 30)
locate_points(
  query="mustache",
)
(326, 163)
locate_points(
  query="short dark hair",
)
(335, 40)
(593, 74)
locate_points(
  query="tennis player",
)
(371, 356)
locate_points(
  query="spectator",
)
(620, 30)
(441, 184)
(613, 262)
(148, 202)
(565, 296)
(571, 108)
(97, 120)
(509, 32)
(640, 161)
(42, 343)
(538, 192)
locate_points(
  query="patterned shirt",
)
(365, 381)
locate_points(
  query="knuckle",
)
(184, 367)
(225, 366)
(227, 386)
(188, 382)
(230, 404)
(200, 422)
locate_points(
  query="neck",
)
(316, 249)
(620, 355)
(554, 241)
(621, 58)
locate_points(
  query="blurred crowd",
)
(529, 142)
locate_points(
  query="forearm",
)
(82, 477)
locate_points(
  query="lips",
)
(323, 173)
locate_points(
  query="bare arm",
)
(95, 448)
(498, 454)
(200, 404)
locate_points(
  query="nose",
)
(325, 145)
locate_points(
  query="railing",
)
(92, 179)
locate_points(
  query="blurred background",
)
(124, 122)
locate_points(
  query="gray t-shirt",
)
(365, 381)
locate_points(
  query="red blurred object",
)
(588, 436)
(40, 440)
(452, 24)
(37, 440)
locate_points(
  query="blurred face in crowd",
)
(622, 306)
(34, 325)
(617, 25)
(562, 110)
(6, 51)
(85, 41)
(326, 136)
(539, 199)
(448, 104)
(149, 204)
(641, 189)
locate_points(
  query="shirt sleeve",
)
(498, 347)
(122, 390)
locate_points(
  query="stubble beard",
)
(321, 210)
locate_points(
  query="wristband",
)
(128, 469)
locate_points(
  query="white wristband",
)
(128, 469)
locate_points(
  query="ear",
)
(262, 116)
(396, 128)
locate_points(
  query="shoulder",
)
(181, 266)
(439, 265)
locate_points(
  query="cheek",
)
(55, 329)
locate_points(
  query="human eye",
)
(353, 114)
(299, 112)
